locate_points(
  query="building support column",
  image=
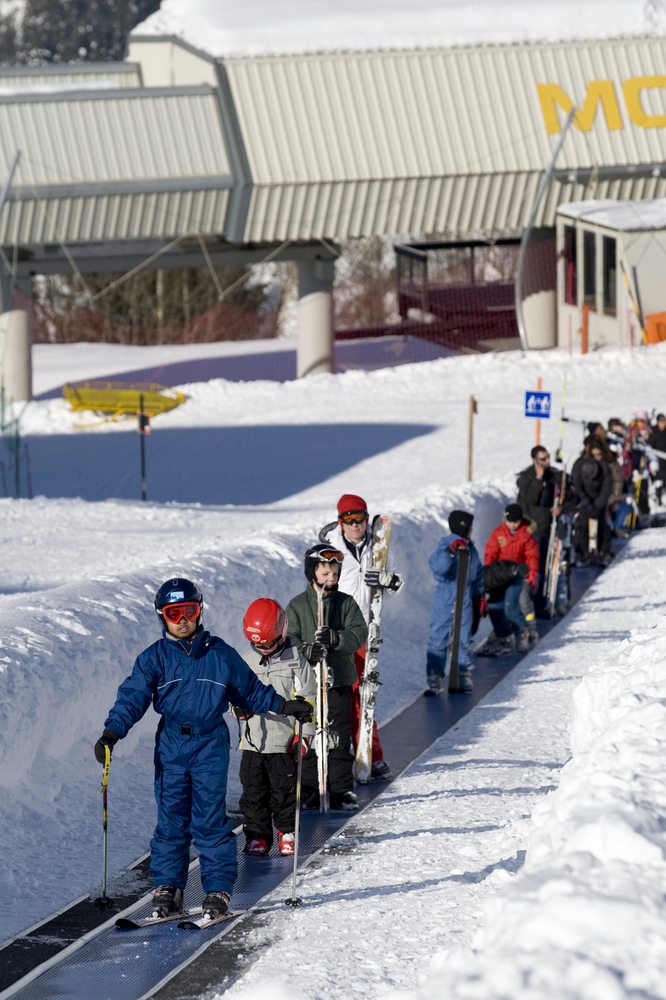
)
(316, 336)
(16, 355)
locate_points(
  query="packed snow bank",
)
(77, 610)
(587, 916)
(414, 870)
(221, 27)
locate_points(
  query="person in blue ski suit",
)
(190, 676)
(444, 565)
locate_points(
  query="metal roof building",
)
(248, 152)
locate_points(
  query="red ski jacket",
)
(520, 547)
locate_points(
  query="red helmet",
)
(265, 621)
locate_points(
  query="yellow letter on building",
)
(632, 96)
(551, 94)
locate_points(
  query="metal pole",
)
(545, 181)
(472, 411)
(142, 432)
(103, 902)
(293, 899)
(3, 198)
(538, 422)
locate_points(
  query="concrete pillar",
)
(16, 355)
(315, 317)
(540, 320)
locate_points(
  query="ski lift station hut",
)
(611, 271)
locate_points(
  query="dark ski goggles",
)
(190, 610)
(354, 517)
(329, 556)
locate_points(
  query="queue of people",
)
(192, 678)
(559, 520)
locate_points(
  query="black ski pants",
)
(340, 757)
(269, 794)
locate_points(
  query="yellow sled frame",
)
(120, 399)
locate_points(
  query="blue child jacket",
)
(444, 566)
(189, 684)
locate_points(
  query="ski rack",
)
(135, 965)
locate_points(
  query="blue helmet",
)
(178, 591)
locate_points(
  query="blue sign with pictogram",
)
(537, 404)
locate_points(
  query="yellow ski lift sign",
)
(121, 399)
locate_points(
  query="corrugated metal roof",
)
(444, 140)
(124, 74)
(114, 164)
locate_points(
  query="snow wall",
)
(586, 916)
(64, 651)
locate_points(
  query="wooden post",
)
(472, 411)
(585, 329)
(538, 422)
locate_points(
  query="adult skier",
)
(443, 563)
(343, 632)
(657, 440)
(190, 676)
(268, 763)
(537, 490)
(593, 480)
(352, 533)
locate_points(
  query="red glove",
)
(483, 607)
(240, 713)
(531, 579)
(460, 543)
(292, 746)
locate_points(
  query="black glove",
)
(383, 578)
(314, 652)
(107, 739)
(327, 636)
(301, 711)
(522, 569)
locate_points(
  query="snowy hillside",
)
(239, 478)
(221, 27)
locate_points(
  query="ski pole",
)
(293, 899)
(103, 902)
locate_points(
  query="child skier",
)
(343, 632)
(270, 747)
(190, 675)
(353, 535)
(444, 564)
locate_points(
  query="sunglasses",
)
(354, 517)
(174, 612)
(330, 556)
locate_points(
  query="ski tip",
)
(125, 924)
(189, 925)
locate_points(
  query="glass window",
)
(610, 276)
(570, 267)
(590, 269)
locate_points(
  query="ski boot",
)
(166, 900)
(381, 771)
(523, 640)
(434, 685)
(465, 685)
(257, 846)
(285, 843)
(215, 905)
(347, 802)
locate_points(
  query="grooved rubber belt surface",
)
(128, 965)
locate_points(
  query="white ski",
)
(321, 713)
(381, 536)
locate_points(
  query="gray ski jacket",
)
(290, 674)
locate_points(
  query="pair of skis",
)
(381, 537)
(187, 920)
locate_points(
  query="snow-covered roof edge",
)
(623, 216)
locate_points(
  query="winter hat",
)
(460, 521)
(513, 512)
(349, 502)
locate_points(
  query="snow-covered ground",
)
(240, 478)
(221, 27)
(488, 870)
